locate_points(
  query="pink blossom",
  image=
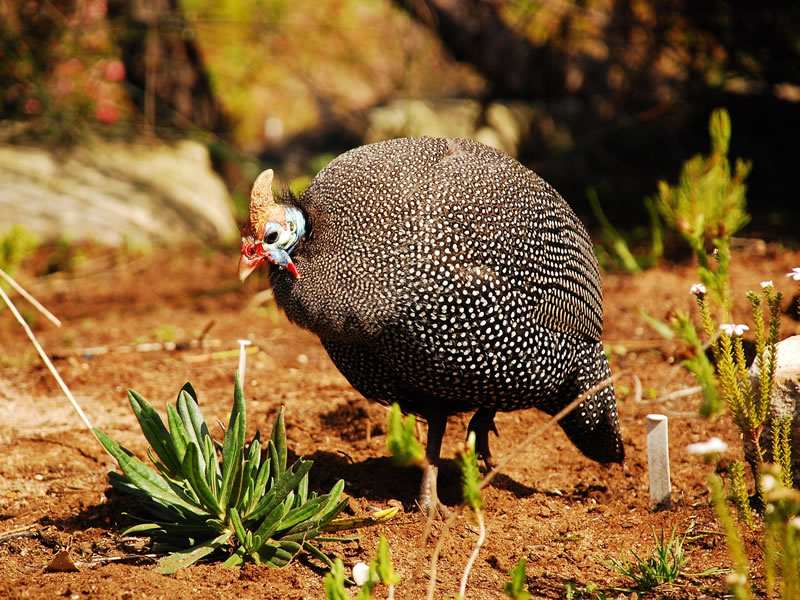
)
(114, 71)
(106, 111)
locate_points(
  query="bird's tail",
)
(594, 425)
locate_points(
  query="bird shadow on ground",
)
(380, 480)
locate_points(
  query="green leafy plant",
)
(739, 495)
(471, 485)
(747, 404)
(590, 590)
(661, 566)
(406, 450)
(16, 244)
(614, 248)
(782, 556)
(781, 538)
(253, 508)
(402, 441)
(708, 204)
(380, 571)
(738, 579)
(698, 363)
(515, 588)
(707, 207)
(471, 477)
(335, 582)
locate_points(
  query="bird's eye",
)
(271, 237)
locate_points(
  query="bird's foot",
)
(428, 501)
(489, 463)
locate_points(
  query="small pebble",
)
(360, 573)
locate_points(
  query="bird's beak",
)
(248, 265)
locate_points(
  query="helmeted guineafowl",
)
(443, 275)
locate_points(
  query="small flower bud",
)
(732, 329)
(766, 284)
(698, 289)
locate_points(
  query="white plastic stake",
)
(658, 461)
(242, 359)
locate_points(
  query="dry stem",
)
(46, 359)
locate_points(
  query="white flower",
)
(766, 284)
(698, 289)
(732, 329)
(768, 483)
(360, 573)
(794, 522)
(795, 274)
(708, 447)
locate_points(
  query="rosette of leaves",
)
(204, 496)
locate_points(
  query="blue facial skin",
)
(279, 257)
(295, 217)
(284, 240)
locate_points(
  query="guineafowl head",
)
(271, 231)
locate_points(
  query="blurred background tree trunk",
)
(165, 74)
(475, 31)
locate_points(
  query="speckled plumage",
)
(443, 275)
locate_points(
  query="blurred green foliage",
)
(16, 244)
(59, 71)
(298, 79)
(709, 201)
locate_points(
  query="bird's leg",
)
(482, 422)
(428, 497)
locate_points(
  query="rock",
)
(785, 400)
(501, 124)
(115, 192)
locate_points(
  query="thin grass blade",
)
(196, 478)
(238, 528)
(280, 555)
(178, 560)
(192, 418)
(212, 473)
(187, 387)
(281, 488)
(236, 559)
(301, 514)
(278, 438)
(271, 522)
(319, 554)
(177, 432)
(154, 431)
(170, 529)
(145, 478)
(233, 454)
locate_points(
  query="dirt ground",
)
(560, 511)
